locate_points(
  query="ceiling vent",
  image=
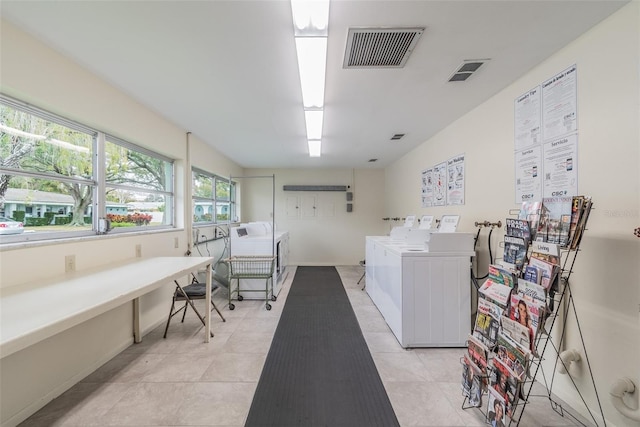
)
(380, 47)
(397, 136)
(467, 68)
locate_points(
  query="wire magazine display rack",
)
(561, 307)
(251, 267)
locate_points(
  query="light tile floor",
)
(181, 381)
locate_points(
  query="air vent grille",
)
(466, 69)
(380, 47)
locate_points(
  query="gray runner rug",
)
(319, 371)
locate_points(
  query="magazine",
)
(496, 292)
(506, 384)
(487, 322)
(547, 251)
(478, 353)
(475, 394)
(518, 228)
(516, 331)
(556, 220)
(548, 271)
(582, 223)
(513, 356)
(496, 410)
(527, 313)
(531, 211)
(472, 382)
(467, 377)
(532, 291)
(515, 251)
(503, 275)
(532, 274)
(576, 210)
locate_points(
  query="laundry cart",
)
(250, 267)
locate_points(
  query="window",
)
(50, 174)
(139, 186)
(214, 199)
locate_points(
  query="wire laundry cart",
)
(251, 267)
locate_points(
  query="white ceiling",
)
(227, 72)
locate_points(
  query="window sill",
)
(25, 244)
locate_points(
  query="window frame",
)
(170, 208)
(98, 180)
(214, 200)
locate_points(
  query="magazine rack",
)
(560, 306)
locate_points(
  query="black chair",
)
(193, 291)
(363, 265)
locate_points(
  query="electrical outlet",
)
(176, 243)
(138, 251)
(69, 263)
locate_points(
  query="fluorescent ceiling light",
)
(315, 147)
(311, 28)
(312, 59)
(310, 17)
(314, 123)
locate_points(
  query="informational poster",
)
(528, 164)
(527, 119)
(546, 143)
(455, 180)
(560, 157)
(427, 188)
(440, 184)
(560, 104)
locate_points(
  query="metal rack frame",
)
(245, 263)
(251, 267)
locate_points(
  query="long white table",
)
(32, 312)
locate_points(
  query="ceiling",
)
(227, 72)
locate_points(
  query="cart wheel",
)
(240, 297)
(268, 306)
(231, 306)
(274, 298)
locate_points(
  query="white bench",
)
(32, 312)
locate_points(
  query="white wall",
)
(332, 236)
(34, 73)
(605, 281)
(607, 271)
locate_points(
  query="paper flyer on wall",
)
(455, 180)
(560, 160)
(440, 184)
(560, 104)
(427, 188)
(527, 119)
(528, 163)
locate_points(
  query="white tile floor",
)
(181, 381)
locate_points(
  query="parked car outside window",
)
(10, 226)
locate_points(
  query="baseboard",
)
(44, 400)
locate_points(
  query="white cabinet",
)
(302, 206)
(425, 297)
(277, 244)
